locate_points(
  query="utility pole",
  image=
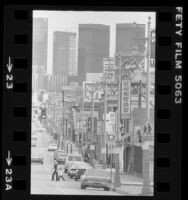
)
(82, 118)
(92, 124)
(146, 189)
(117, 182)
(148, 72)
(105, 112)
(63, 132)
(140, 95)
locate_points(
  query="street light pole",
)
(117, 182)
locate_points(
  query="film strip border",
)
(17, 71)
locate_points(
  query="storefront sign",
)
(100, 128)
(125, 100)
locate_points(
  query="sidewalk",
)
(127, 179)
(130, 184)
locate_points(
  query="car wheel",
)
(75, 179)
(83, 187)
(106, 189)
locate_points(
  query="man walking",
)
(55, 173)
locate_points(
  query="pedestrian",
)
(60, 172)
(55, 173)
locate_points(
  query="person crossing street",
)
(60, 173)
(55, 172)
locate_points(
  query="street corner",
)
(120, 190)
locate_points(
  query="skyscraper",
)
(129, 36)
(64, 53)
(93, 46)
(40, 39)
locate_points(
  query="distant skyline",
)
(69, 21)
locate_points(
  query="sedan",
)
(60, 156)
(52, 147)
(97, 178)
(36, 158)
(81, 170)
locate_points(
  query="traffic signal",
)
(43, 113)
(89, 124)
(95, 125)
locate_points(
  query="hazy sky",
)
(69, 20)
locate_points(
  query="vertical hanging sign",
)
(126, 98)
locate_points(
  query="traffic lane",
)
(41, 181)
(73, 187)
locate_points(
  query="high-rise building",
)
(40, 41)
(130, 36)
(93, 46)
(64, 53)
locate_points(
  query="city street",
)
(41, 175)
(93, 100)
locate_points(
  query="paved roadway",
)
(41, 176)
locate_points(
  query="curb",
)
(119, 191)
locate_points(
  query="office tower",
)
(40, 39)
(93, 46)
(64, 53)
(130, 36)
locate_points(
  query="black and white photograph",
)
(93, 103)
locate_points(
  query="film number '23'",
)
(9, 79)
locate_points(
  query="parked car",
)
(34, 140)
(81, 168)
(60, 156)
(52, 147)
(74, 157)
(36, 158)
(97, 178)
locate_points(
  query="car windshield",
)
(62, 154)
(94, 172)
(53, 144)
(84, 166)
(74, 158)
(35, 154)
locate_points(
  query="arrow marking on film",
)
(9, 159)
(9, 65)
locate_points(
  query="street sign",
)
(147, 138)
(110, 124)
(111, 147)
(117, 150)
(119, 143)
(92, 147)
(147, 129)
(103, 150)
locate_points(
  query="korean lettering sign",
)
(125, 101)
